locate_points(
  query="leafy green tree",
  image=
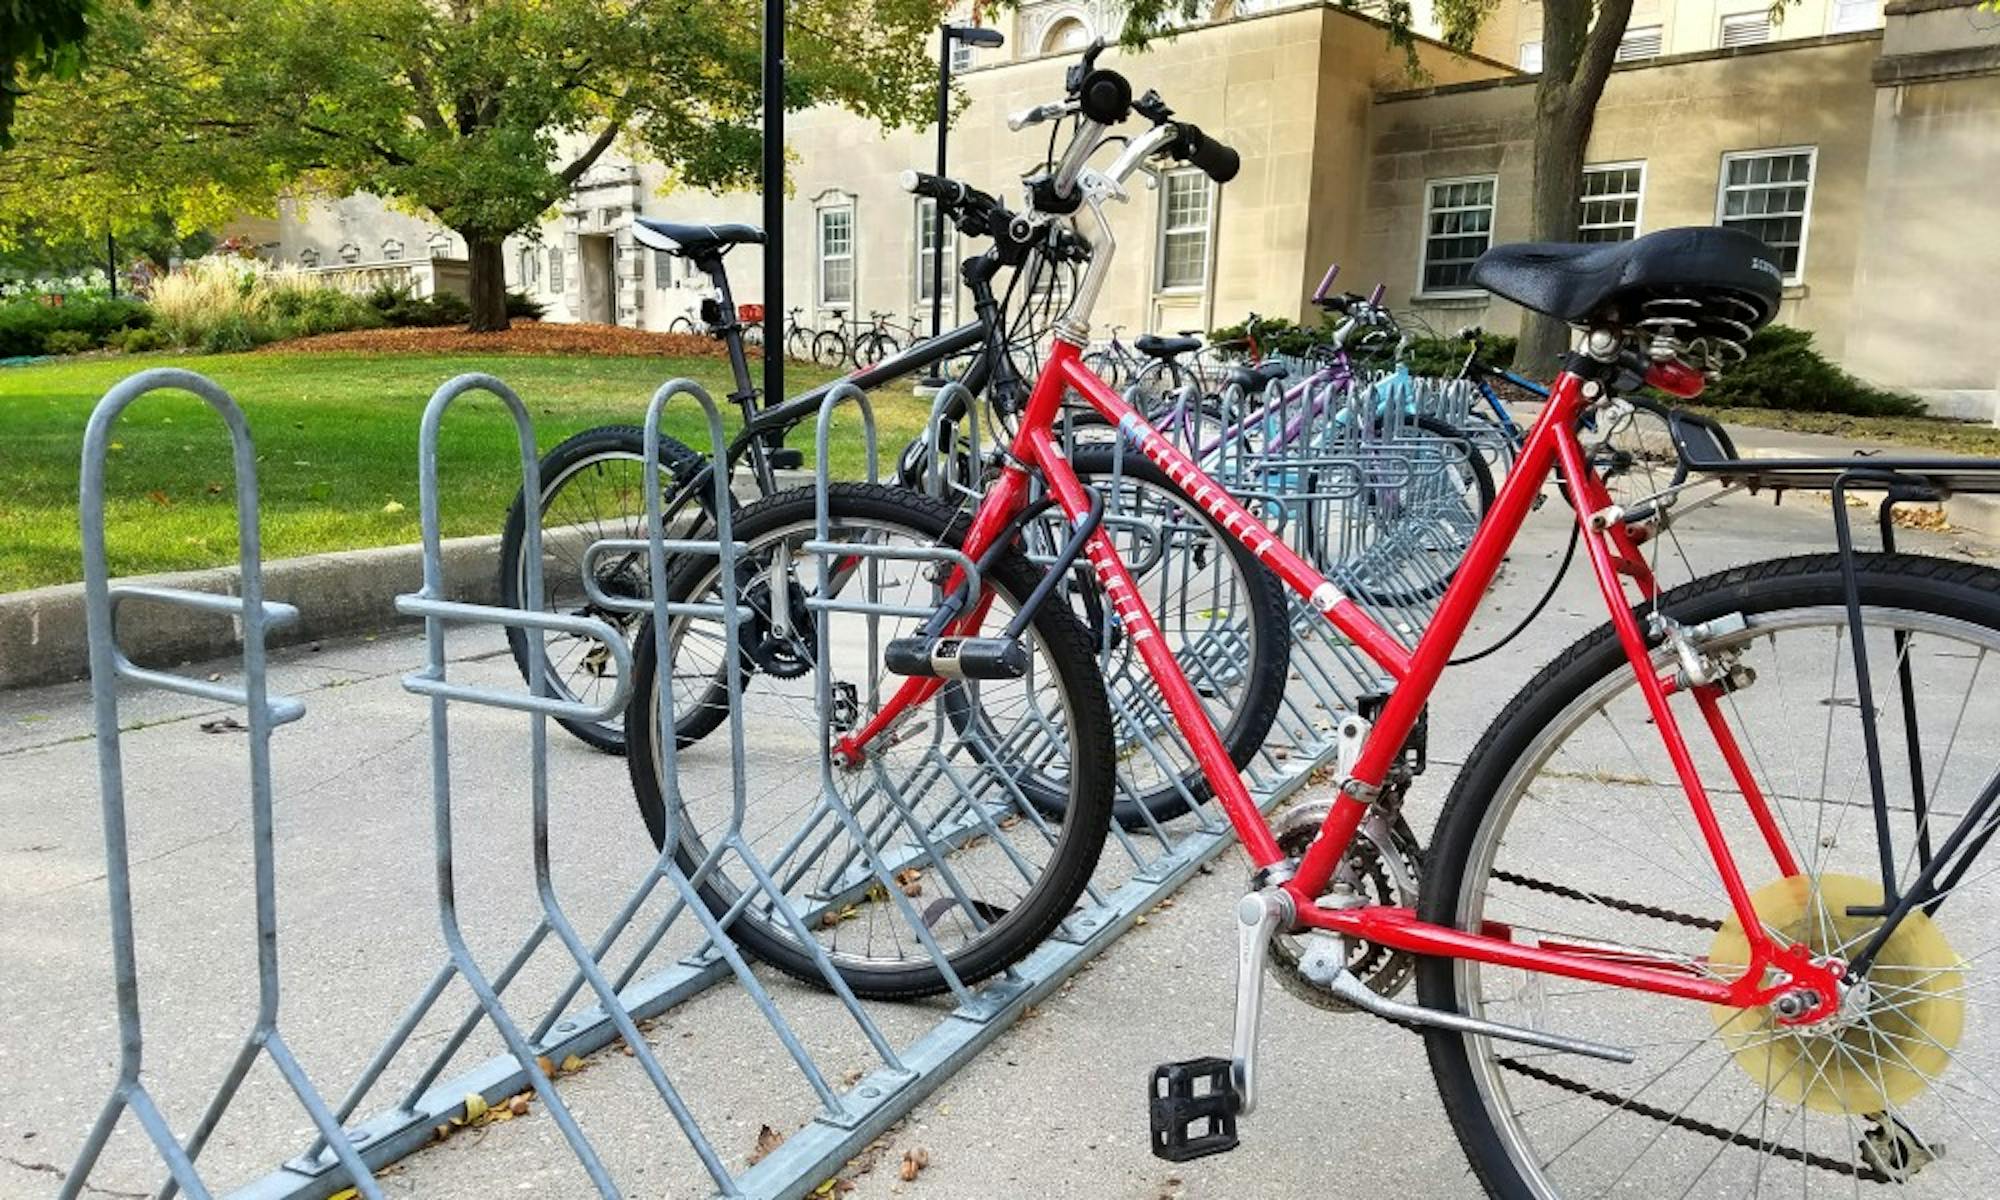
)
(37, 37)
(481, 113)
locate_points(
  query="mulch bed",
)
(525, 337)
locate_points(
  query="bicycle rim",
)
(1588, 839)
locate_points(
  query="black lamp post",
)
(969, 35)
(774, 200)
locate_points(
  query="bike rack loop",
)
(108, 664)
(1152, 860)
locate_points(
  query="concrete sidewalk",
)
(1053, 1109)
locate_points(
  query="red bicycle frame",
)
(1614, 558)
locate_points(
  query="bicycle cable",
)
(1569, 554)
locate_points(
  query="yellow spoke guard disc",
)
(1887, 1045)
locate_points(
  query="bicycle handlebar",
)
(1218, 160)
(1319, 293)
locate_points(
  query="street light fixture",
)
(965, 35)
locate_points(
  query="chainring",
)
(781, 656)
(1370, 873)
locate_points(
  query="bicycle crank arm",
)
(1345, 986)
(1194, 1104)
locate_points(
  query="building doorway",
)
(596, 295)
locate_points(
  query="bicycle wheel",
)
(1398, 541)
(985, 874)
(680, 325)
(799, 344)
(1568, 825)
(829, 348)
(592, 488)
(1108, 367)
(873, 348)
(1158, 385)
(1221, 612)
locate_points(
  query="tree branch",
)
(574, 171)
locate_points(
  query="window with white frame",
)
(1531, 57)
(349, 252)
(308, 258)
(1609, 211)
(1745, 29)
(1640, 41)
(531, 266)
(440, 245)
(1185, 206)
(1769, 193)
(927, 248)
(663, 270)
(392, 250)
(961, 56)
(1851, 16)
(555, 269)
(836, 254)
(1458, 227)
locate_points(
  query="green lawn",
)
(336, 437)
(1931, 433)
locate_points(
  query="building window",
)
(1531, 57)
(1184, 214)
(1066, 36)
(350, 253)
(663, 270)
(1769, 193)
(1610, 208)
(1458, 227)
(530, 266)
(392, 250)
(308, 258)
(1850, 16)
(555, 269)
(440, 245)
(1640, 41)
(1746, 29)
(836, 254)
(927, 248)
(961, 56)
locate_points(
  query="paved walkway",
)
(1053, 1109)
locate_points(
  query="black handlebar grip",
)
(1218, 161)
(1104, 96)
(935, 187)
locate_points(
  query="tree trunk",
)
(1560, 134)
(489, 283)
(1578, 53)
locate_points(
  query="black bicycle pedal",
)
(1193, 1107)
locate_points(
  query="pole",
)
(774, 201)
(937, 214)
(111, 263)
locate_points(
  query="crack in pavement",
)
(44, 1168)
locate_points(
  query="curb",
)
(43, 632)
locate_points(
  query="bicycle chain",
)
(1611, 902)
(1677, 1120)
(1634, 1106)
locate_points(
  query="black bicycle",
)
(592, 485)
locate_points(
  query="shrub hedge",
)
(26, 326)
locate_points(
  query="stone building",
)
(1869, 156)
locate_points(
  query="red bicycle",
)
(1672, 936)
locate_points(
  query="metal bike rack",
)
(683, 958)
